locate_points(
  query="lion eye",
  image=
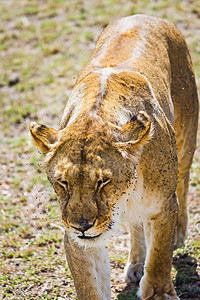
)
(64, 184)
(102, 182)
(99, 183)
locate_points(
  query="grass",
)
(43, 46)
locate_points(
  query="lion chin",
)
(94, 238)
(87, 240)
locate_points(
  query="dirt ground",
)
(43, 46)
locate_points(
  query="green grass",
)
(128, 295)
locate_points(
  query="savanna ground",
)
(43, 46)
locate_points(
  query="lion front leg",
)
(159, 232)
(135, 264)
(181, 191)
(90, 270)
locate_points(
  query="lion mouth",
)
(86, 237)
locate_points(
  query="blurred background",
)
(43, 46)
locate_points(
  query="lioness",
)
(115, 155)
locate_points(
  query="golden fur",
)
(115, 155)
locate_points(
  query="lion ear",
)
(135, 132)
(43, 136)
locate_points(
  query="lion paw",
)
(165, 297)
(134, 272)
(150, 292)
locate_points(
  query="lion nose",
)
(83, 225)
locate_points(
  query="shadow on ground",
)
(187, 280)
(129, 293)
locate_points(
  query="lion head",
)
(91, 164)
